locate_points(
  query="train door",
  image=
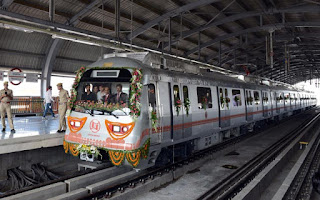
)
(265, 103)
(249, 108)
(295, 101)
(163, 100)
(272, 103)
(177, 112)
(257, 105)
(286, 102)
(224, 107)
(187, 117)
(278, 106)
(155, 113)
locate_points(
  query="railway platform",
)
(35, 141)
(31, 133)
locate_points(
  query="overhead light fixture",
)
(12, 27)
(74, 40)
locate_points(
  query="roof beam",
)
(169, 14)
(251, 30)
(236, 17)
(41, 56)
(4, 4)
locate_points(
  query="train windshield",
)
(104, 92)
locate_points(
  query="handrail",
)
(31, 105)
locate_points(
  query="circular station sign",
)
(16, 76)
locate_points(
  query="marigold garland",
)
(116, 157)
(133, 157)
(65, 146)
(145, 149)
(73, 149)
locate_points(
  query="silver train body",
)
(220, 107)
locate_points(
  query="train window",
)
(236, 98)
(256, 97)
(152, 96)
(186, 100)
(176, 92)
(185, 92)
(221, 97)
(227, 100)
(250, 98)
(204, 98)
(246, 97)
(265, 98)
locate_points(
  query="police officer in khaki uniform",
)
(63, 100)
(6, 95)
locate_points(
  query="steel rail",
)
(151, 174)
(231, 185)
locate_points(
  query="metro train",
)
(171, 110)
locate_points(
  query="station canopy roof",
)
(230, 34)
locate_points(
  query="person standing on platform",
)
(6, 95)
(48, 99)
(63, 100)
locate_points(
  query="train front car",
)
(110, 121)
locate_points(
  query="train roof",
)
(152, 64)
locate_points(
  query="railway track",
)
(108, 186)
(109, 192)
(229, 187)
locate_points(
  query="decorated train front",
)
(105, 116)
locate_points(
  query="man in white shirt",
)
(47, 100)
(101, 93)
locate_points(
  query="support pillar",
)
(47, 69)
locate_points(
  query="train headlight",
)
(124, 129)
(77, 124)
(116, 128)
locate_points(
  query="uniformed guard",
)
(63, 100)
(6, 95)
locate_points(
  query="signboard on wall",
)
(16, 76)
(1, 75)
(32, 77)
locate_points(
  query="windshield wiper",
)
(111, 113)
(90, 112)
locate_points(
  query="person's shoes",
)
(58, 131)
(13, 131)
(63, 131)
(3, 130)
(44, 118)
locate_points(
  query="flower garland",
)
(82, 106)
(75, 85)
(135, 93)
(187, 105)
(177, 105)
(154, 120)
(115, 156)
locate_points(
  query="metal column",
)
(117, 25)
(51, 10)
